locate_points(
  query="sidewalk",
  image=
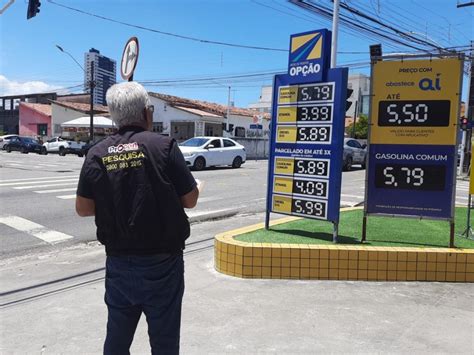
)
(222, 314)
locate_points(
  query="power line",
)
(195, 39)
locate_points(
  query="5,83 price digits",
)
(311, 167)
(320, 134)
(322, 113)
(309, 207)
(411, 177)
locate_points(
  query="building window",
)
(57, 129)
(157, 127)
(8, 104)
(42, 129)
(209, 130)
(16, 103)
(239, 131)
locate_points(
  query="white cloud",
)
(10, 87)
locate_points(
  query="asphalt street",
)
(51, 302)
(37, 199)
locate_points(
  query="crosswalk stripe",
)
(38, 182)
(47, 185)
(356, 196)
(66, 197)
(34, 229)
(40, 178)
(55, 190)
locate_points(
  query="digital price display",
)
(307, 114)
(307, 134)
(413, 138)
(300, 186)
(304, 134)
(300, 206)
(302, 167)
(410, 177)
(316, 92)
(421, 113)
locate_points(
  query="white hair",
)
(126, 102)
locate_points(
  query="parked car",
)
(354, 154)
(201, 152)
(64, 146)
(24, 145)
(5, 139)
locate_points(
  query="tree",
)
(361, 128)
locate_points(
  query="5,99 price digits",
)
(309, 208)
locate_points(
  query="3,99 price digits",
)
(314, 113)
(317, 92)
(314, 134)
(311, 167)
(411, 177)
(309, 207)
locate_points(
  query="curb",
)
(338, 262)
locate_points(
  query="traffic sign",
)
(129, 58)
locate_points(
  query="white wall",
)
(166, 114)
(60, 114)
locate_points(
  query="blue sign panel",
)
(307, 133)
(309, 55)
(411, 180)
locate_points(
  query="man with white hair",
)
(136, 184)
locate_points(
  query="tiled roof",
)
(198, 112)
(210, 107)
(44, 109)
(84, 108)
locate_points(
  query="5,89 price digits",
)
(311, 167)
(320, 134)
(309, 208)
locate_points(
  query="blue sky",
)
(30, 61)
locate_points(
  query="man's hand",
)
(190, 199)
(85, 207)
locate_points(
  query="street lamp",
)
(91, 85)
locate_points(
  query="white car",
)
(5, 139)
(63, 146)
(201, 152)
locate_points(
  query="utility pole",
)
(335, 28)
(228, 113)
(91, 87)
(468, 114)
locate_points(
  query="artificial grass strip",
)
(381, 231)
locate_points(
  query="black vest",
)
(138, 210)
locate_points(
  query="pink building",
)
(35, 120)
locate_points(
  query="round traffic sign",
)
(129, 59)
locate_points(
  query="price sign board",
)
(413, 126)
(307, 134)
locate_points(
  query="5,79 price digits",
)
(410, 177)
(316, 92)
(309, 208)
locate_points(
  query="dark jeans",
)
(153, 285)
